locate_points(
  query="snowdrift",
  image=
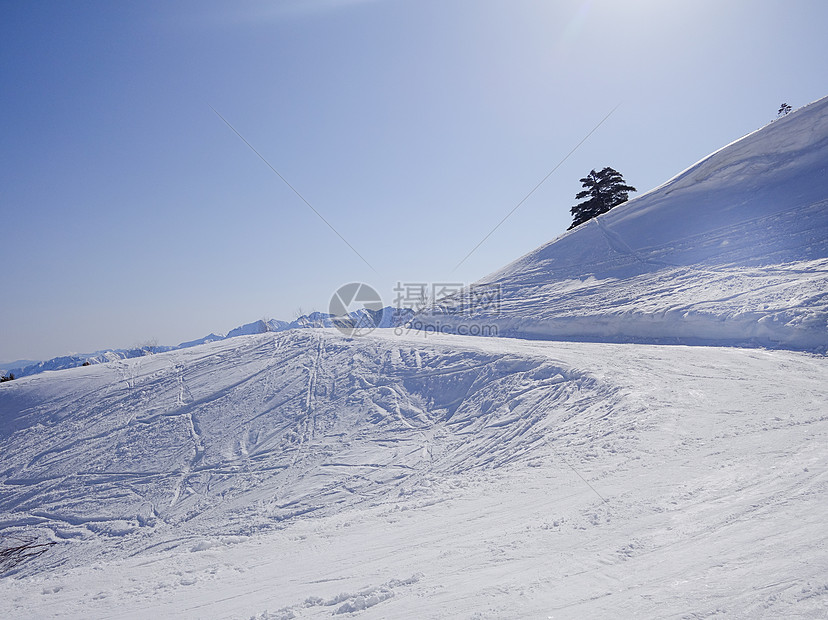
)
(734, 251)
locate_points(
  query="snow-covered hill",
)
(734, 250)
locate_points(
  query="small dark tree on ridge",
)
(605, 190)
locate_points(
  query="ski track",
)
(485, 451)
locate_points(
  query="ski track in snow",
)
(295, 470)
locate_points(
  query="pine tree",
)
(606, 189)
(783, 110)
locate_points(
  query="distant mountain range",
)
(387, 317)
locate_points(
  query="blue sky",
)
(131, 212)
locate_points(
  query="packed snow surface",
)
(734, 250)
(301, 474)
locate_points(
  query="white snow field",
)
(410, 474)
(302, 474)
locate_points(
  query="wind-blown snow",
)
(734, 250)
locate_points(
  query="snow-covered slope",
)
(306, 474)
(304, 421)
(734, 250)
